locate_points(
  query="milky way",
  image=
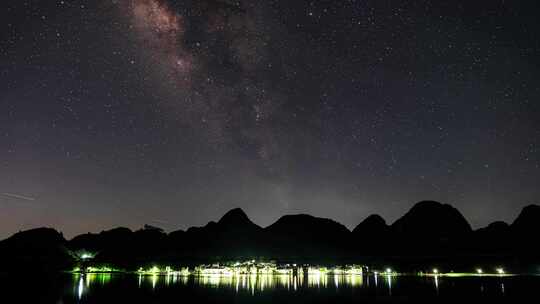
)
(214, 78)
(126, 112)
(163, 30)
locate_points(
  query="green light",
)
(184, 272)
(354, 270)
(86, 256)
(100, 269)
(250, 267)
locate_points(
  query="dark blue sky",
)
(126, 112)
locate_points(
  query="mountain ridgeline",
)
(429, 231)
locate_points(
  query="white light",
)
(479, 271)
(500, 271)
(435, 270)
(388, 270)
(80, 288)
(86, 256)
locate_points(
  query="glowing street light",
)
(479, 270)
(500, 270)
(435, 270)
(388, 270)
(85, 255)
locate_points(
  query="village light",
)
(435, 270)
(85, 255)
(500, 271)
(388, 270)
(479, 270)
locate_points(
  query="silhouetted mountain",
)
(433, 219)
(237, 218)
(528, 220)
(105, 240)
(495, 228)
(238, 235)
(373, 224)
(234, 235)
(525, 229)
(427, 233)
(35, 249)
(430, 227)
(493, 239)
(123, 247)
(176, 241)
(306, 236)
(371, 235)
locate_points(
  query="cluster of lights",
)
(167, 271)
(387, 271)
(348, 270)
(266, 268)
(498, 270)
(238, 268)
(251, 268)
(477, 271)
(101, 269)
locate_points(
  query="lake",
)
(133, 288)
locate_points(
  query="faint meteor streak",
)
(18, 196)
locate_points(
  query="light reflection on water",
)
(249, 282)
(85, 282)
(255, 283)
(389, 279)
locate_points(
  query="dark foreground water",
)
(132, 288)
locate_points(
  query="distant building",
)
(150, 227)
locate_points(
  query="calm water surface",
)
(132, 288)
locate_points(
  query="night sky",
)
(170, 113)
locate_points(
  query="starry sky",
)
(170, 113)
